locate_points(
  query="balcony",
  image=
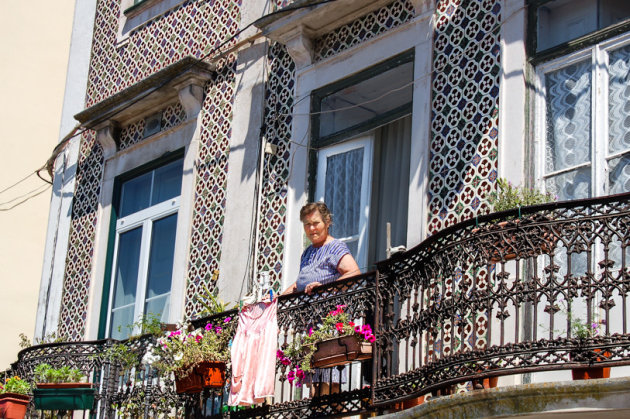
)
(510, 294)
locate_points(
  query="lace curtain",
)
(343, 194)
(569, 130)
(619, 119)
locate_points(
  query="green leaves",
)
(509, 196)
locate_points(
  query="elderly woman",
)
(325, 260)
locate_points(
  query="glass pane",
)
(135, 194)
(568, 117)
(619, 175)
(570, 185)
(126, 273)
(158, 306)
(161, 256)
(167, 183)
(376, 96)
(121, 319)
(343, 191)
(564, 20)
(619, 100)
(353, 245)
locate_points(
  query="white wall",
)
(34, 44)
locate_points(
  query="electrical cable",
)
(18, 182)
(61, 145)
(25, 200)
(23, 195)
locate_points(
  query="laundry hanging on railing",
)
(254, 354)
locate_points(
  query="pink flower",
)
(310, 331)
(218, 329)
(279, 354)
(227, 320)
(209, 327)
(299, 374)
(175, 333)
(371, 339)
(198, 338)
(285, 361)
(291, 376)
(357, 329)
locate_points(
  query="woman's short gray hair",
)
(316, 206)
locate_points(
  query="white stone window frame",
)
(144, 219)
(598, 54)
(148, 10)
(183, 82)
(145, 152)
(417, 35)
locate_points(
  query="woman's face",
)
(316, 228)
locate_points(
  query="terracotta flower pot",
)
(203, 375)
(13, 405)
(588, 373)
(545, 241)
(490, 382)
(416, 401)
(340, 351)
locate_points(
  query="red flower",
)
(339, 327)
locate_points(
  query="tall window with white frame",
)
(361, 143)
(581, 52)
(144, 247)
(583, 101)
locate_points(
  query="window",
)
(144, 246)
(362, 136)
(561, 21)
(583, 112)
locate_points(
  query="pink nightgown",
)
(254, 354)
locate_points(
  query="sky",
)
(34, 46)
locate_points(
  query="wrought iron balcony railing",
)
(537, 289)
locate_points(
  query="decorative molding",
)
(191, 96)
(106, 135)
(148, 95)
(422, 6)
(299, 46)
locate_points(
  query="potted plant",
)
(583, 331)
(337, 341)
(508, 197)
(62, 389)
(198, 358)
(14, 398)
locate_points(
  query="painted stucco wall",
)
(34, 44)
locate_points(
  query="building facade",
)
(208, 124)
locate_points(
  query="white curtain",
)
(569, 130)
(619, 119)
(390, 191)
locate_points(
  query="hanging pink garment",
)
(254, 354)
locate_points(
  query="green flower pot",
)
(64, 398)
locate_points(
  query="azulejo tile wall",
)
(279, 100)
(364, 28)
(210, 190)
(465, 91)
(194, 28)
(464, 143)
